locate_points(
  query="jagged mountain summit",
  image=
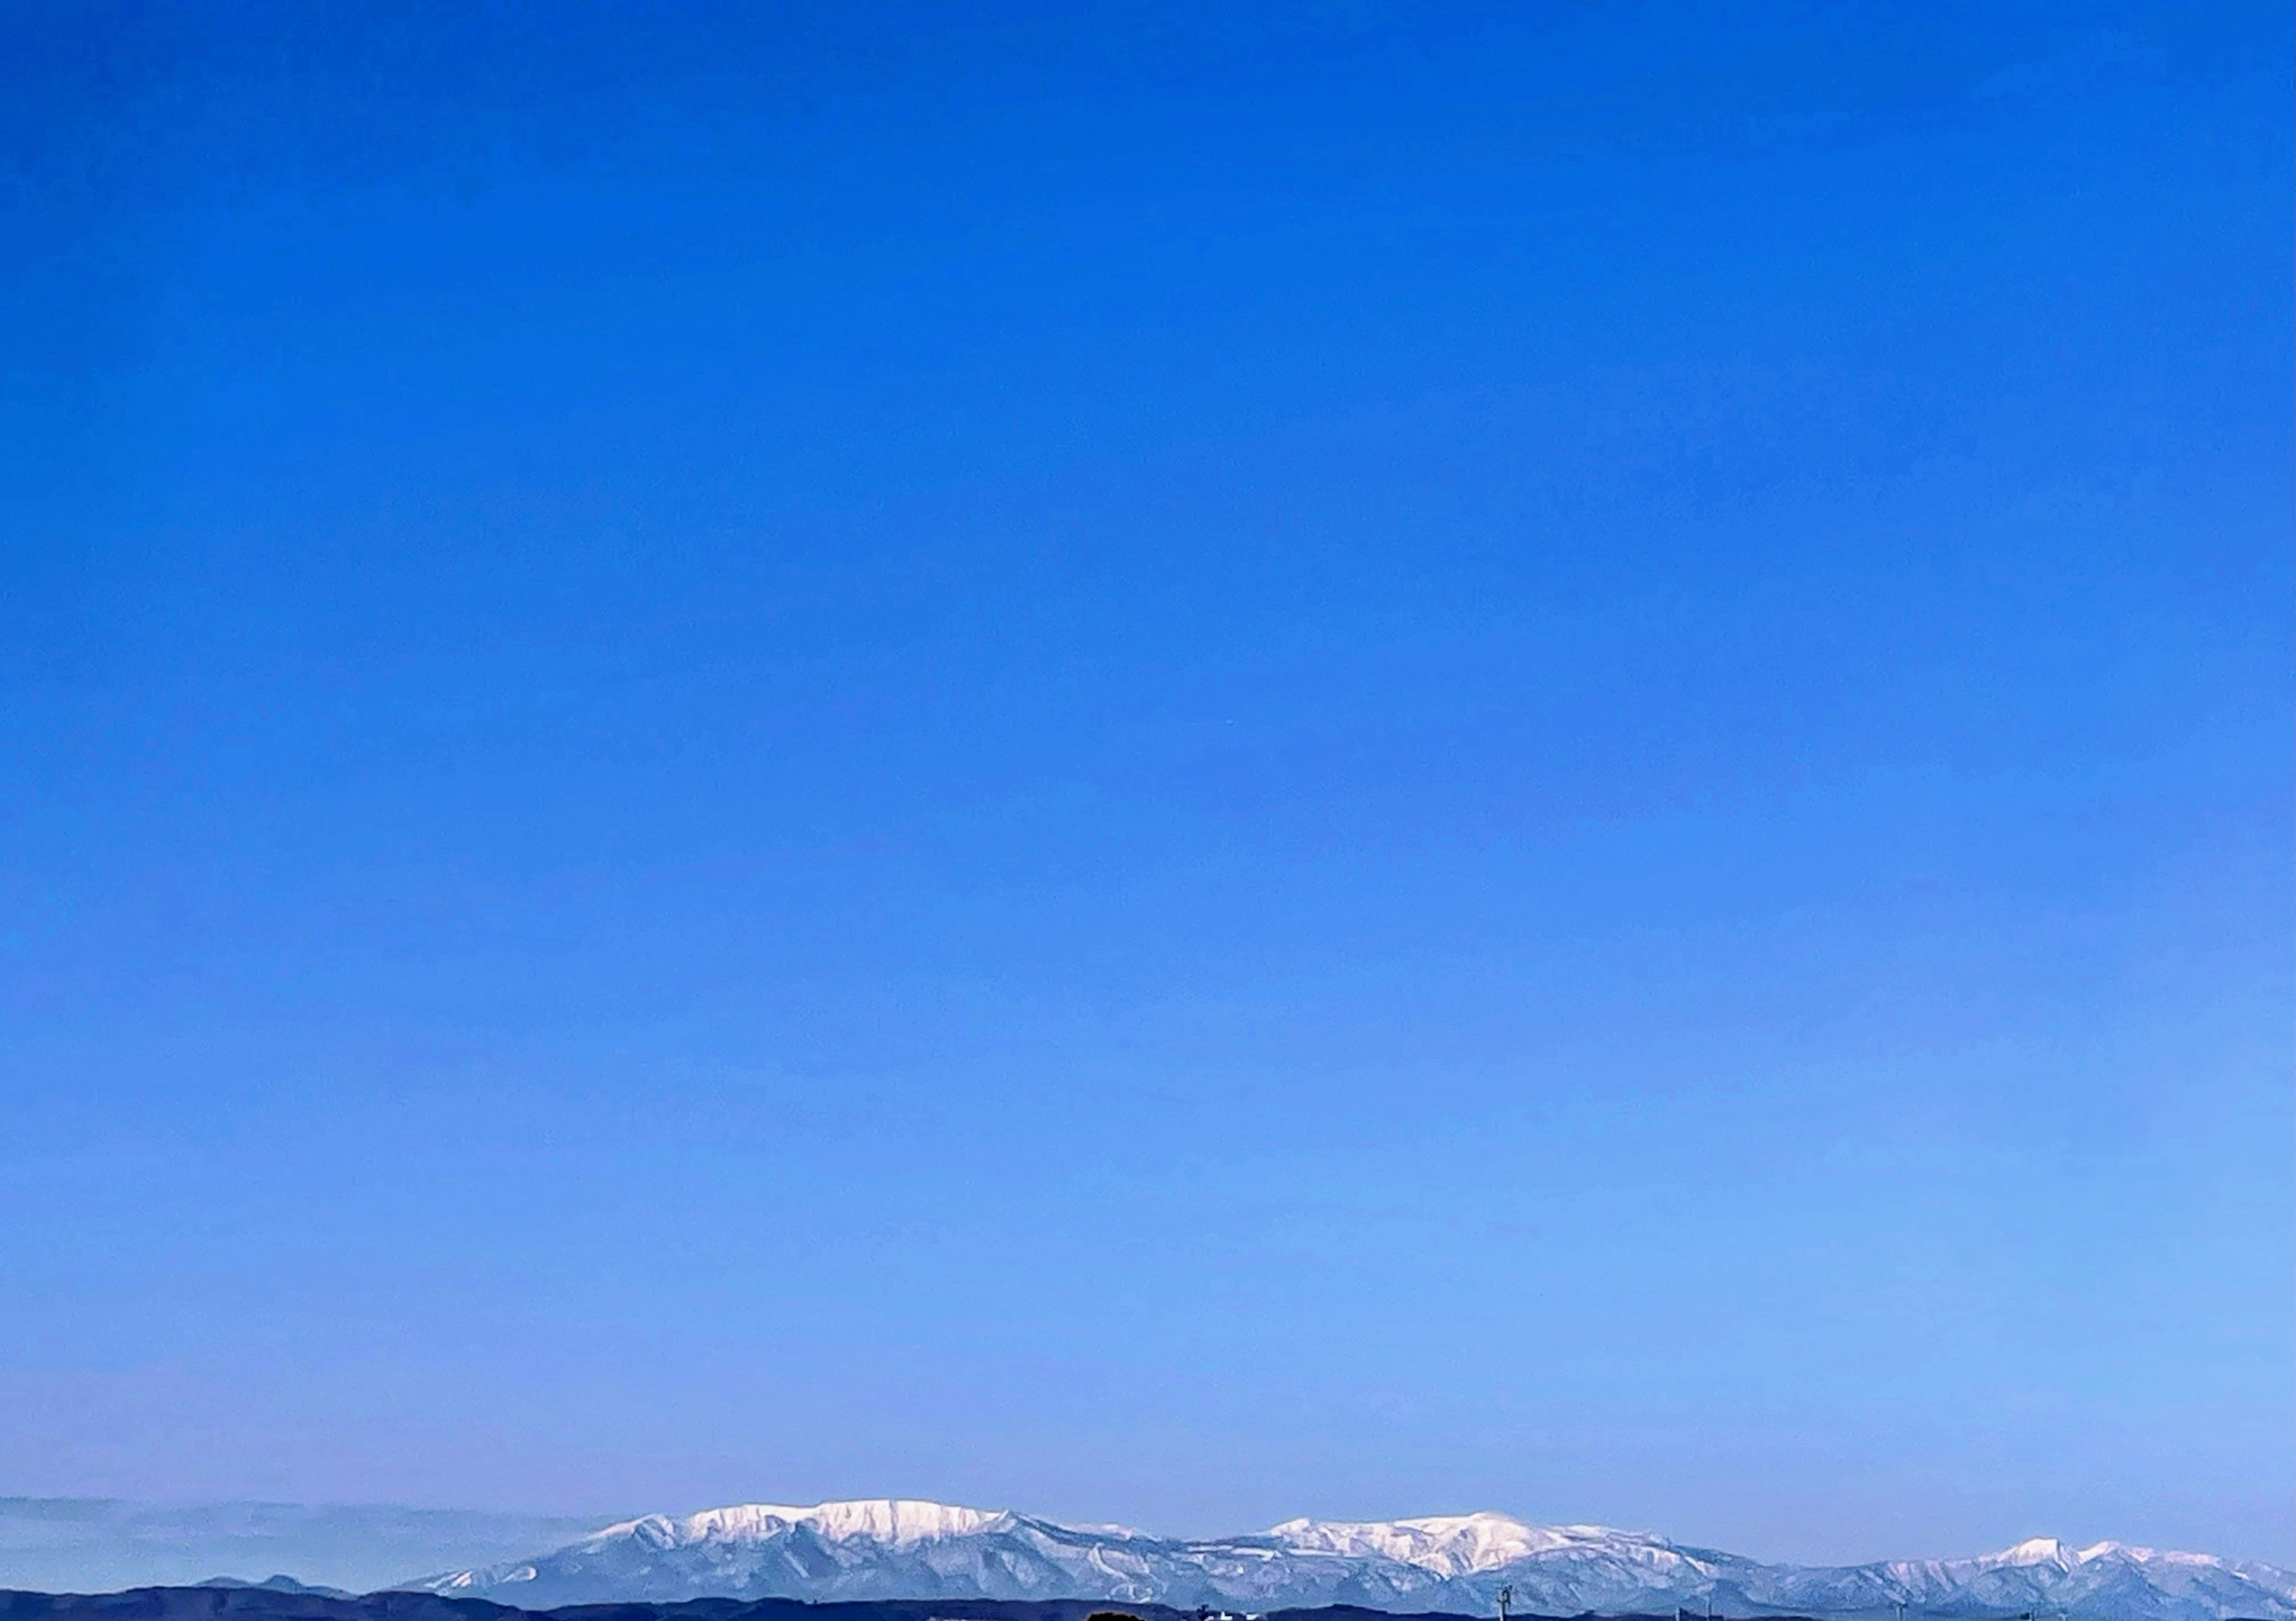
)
(885, 1549)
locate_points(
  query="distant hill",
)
(100, 1544)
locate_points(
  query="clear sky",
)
(1165, 763)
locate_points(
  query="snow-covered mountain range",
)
(905, 1550)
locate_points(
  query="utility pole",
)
(1507, 1597)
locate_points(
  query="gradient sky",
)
(1161, 763)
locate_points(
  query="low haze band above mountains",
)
(887, 1550)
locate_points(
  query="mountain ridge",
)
(887, 1549)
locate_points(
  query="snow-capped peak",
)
(1448, 1544)
(2056, 1551)
(893, 1521)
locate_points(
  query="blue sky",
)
(1163, 764)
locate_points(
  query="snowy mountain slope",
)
(2046, 1577)
(908, 1549)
